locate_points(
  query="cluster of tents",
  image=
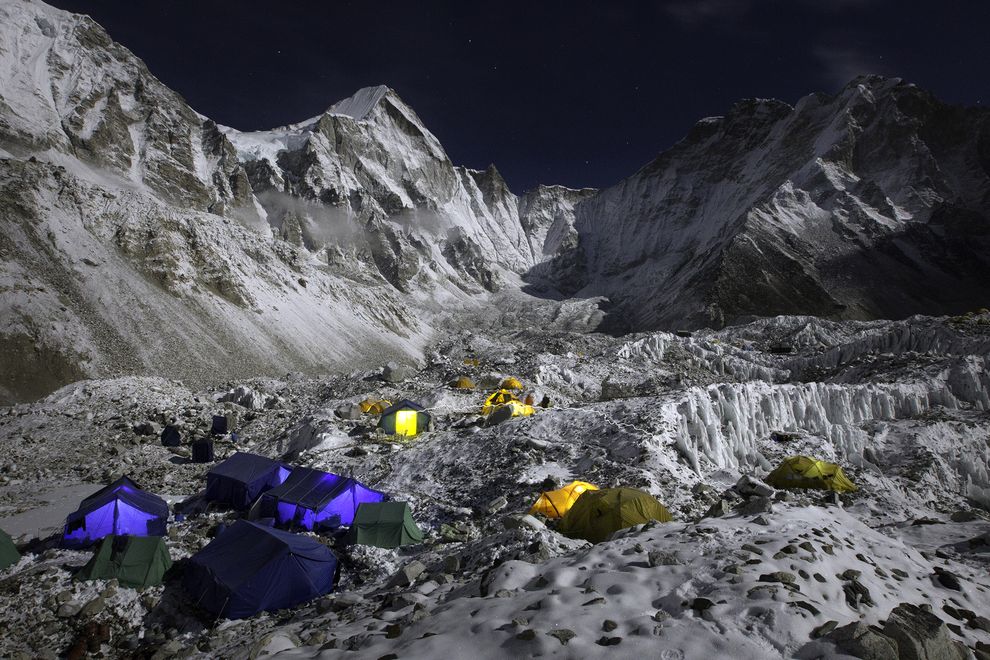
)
(587, 512)
(251, 566)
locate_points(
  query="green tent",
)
(8, 551)
(136, 561)
(385, 525)
(598, 513)
(805, 472)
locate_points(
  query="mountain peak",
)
(361, 103)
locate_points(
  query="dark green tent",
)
(597, 514)
(8, 551)
(136, 561)
(385, 525)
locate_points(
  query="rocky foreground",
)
(744, 569)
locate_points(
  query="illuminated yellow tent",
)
(555, 503)
(597, 514)
(496, 399)
(374, 406)
(463, 383)
(511, 383)
(805, 472)
(405, 418)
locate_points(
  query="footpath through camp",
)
(528, 489)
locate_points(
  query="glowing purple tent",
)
(313, 497)
(121, 508)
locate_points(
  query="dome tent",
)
(250, 568)
(597, 514)
(556, 503)
(806, 472)
(405, 418)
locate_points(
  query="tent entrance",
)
(405, 422)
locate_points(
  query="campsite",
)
(403, 526)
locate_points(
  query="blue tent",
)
(250, 568)
(309, 497)
(121, 508)
(240, 479)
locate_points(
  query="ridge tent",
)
(8, 551)
(135, 561)
(805, 472)
(239, 480)
(308, 497)
(374, 406)
(120, 508)
(556, 503)
(384, 525)
(498, 398)
(405, 418)
(511, 383)
(250, 568)
(597, 514)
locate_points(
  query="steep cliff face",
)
(872, 203)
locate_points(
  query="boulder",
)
(351, 411)
(863, 641)
(921, 635)
(407, 574)
(747, 486)
(396, 373)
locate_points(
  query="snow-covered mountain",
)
(871, 203)
(138, 236)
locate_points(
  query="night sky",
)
(571, 92)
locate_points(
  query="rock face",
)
(871, 203)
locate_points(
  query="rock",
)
(392, 631)
(721, 507)
(608, 625)
(752, 548)
(747, 486)
(524, 520)
(64, 596)
(527, 635)
(609, 641)
(497, 504)
(778, 576)
(663, 558)
(921, 635)
(68, 610)
(563, 634)
(947, 579)
(500, 415)
(862, 641)
(701, 489)
(451, 564)
(396, 373)
(454, 533)
(148, 428)
(857, 593)
(962, 516)
(701, 604)
(617, 390)
(351, 411)
(755, 505)
(849, 574)
(407, 574)
(824, 629)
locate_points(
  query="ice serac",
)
(871, 203)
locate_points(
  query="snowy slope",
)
(871, 203)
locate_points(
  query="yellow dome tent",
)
(805, 472)
(374, 406)
(597, 514)
(555, 503)
(496, 399)
(511, 383)
(463, 383)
